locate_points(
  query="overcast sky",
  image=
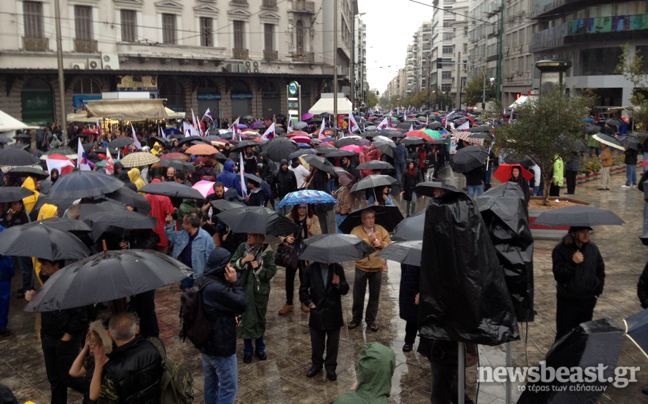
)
(390, 26)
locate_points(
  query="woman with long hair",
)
(309, 225)
(411, 177)
(255, 261)
(516, 176)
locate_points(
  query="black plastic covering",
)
(505, 214)
(592, 344)
(463, 291)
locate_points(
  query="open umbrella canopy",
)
(320, 163)
(201, 150)
(405, 252)
(345, 141)
(386, 216)
(259, 220)
(504, 172)
(242, 145)
(526, 162)
(14, 194)
(412, 141)
(631, 142)
(307, 116)
(353, 148)
(308, 196)
(93, 280)
(373, 181)
(127, 196)
(82, 184)
(608, 140)
(178, 164)
(124, 219)
(29, 172)
(410, 228)
(171, 189)
(427, 188)
(65, 151)
(175, 156)
(386, 148)
(340, 153)
(139, 159)
(63, 224)
(16, 157)
(636, 328)
(224, 204)
(375, 165)
(280, 148)
(204, 187)
(579, 216)
(300, 125)
(41, 241)
(300, 152)
(334, 248)
(120, 142)
(468, 158)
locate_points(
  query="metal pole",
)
(458, 88)
(499, 53)
(509, 363)
(353, 41)
(335, 50)
(61, 79)
(461, 373)
(429, 79)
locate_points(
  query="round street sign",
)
(293, 88)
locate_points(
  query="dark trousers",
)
(411, 329)
(570, 314)
(144, 305)
(321, 212)
(330, 339)
(27, 268)
(444, 383)
(59, 356)
(554, 190)
(571, 181)
(290, 281)
(359, 287)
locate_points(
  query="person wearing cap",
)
(257, 197)
(579, 271)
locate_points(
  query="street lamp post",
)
(335, 75)
(59, 60)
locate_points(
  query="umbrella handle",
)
(103, 243)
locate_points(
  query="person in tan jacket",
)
(347, 204)
(368, 269)
(606, 163)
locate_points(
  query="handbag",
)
(286, 256)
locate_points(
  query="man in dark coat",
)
(223, 300)
(350, 167)
(322, 288)
(284, 182)
(579, 269)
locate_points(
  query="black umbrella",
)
(320, 163)
(242, 145)
(122, 219)
(120, 142)
(579, 216)
(14, 194)
(411, 228)
(608, 140)
(334, 248)
(375, 165)
(592, 129)
(526, 162)
(62, 223)
(593, 345)
(171, 189)
(631, 142)
(644, 237)
(22, 136)
(259, 220)
(386, 148)
(127, 196)
(435, 125)
(179, 165)
(636, 328)
(390, 133)
(16, 157)
(346, 141)
(41, 242)
(300, 152)
(4, 139)
(340, 153)
(640, 134)
(190, 139)
(82, 184)
(468, 159)
(614, 122)
(386, 216)
(373, 181)
(427, 188)
(94, 279)
(254, 178)
(579, 145)
(412, 141)
(224, 204)
(29, 172)
(405, 252)
(480, 129)
(280, 148)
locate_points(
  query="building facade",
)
(360, 63)
(235, 57)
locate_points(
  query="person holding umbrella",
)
(254, 259)
(606, 164)
(631, 166)
(368, 270)
(516, 176)
(309, 225)
(411, 177)
(579, 271)
(284, 182)
(256, 195)
(16, 216)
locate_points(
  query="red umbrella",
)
(301, 139)
(503, 173)
(297, 133)
(89, 132)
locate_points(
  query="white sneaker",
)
(625, 186)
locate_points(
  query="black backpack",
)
(195, 324)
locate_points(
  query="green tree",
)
(473, 94)
(372, 99)
(546, 129)
(632, 68)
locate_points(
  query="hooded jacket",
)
(228, 177)
(161, 207)
(136, 178)
(30, 201)
(222, 302)
(376, 366)
(284, 181)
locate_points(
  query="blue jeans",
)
(631, 174)
(487, 177)
(410, 206)
(221, 380)
(475, 190)
(400, 168)
(338, 220)
(645, 221)
(247, 346)
(5, 294)
(537, 191)
(645, 158)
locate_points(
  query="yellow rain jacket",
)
(136, 178)
(30, 201)
(46, 211)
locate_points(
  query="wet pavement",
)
(282, 377)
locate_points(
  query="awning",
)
(83, 116)
(128, 109)
(8, 123)
(522, 100)
(325, 104)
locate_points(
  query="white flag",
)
(136, 141)
(322, 129)
(82, 159)
(353, 125)
(463, 127)
(269, 133)
(411, 128)
(110, 163)
(242, 171)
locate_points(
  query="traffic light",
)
(439, 63)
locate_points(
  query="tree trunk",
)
(546, 179)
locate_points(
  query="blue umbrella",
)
(307, 196)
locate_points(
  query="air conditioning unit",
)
(247, 64)
(235, 67)
(78, 66)
(94, 64)
(256, 64)
(110, 61)
(248, 70)
(256, 68)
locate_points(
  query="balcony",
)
(269, 4)
(305, 57)
(270, 55)
(85, 46)
(239, 2)
(243, 54)
(303, 6)
(36, 44)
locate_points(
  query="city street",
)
(281, 378)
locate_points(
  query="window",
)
(86, 86)
(128, 24)
(300, 38)
(83, 22)
(169, 29)
(448, 49)
(268, 37)
(599, 61)
(206, 31)
(446, 75)
(447, 36)
(33, 19)
(239, 35)
(446, 88)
